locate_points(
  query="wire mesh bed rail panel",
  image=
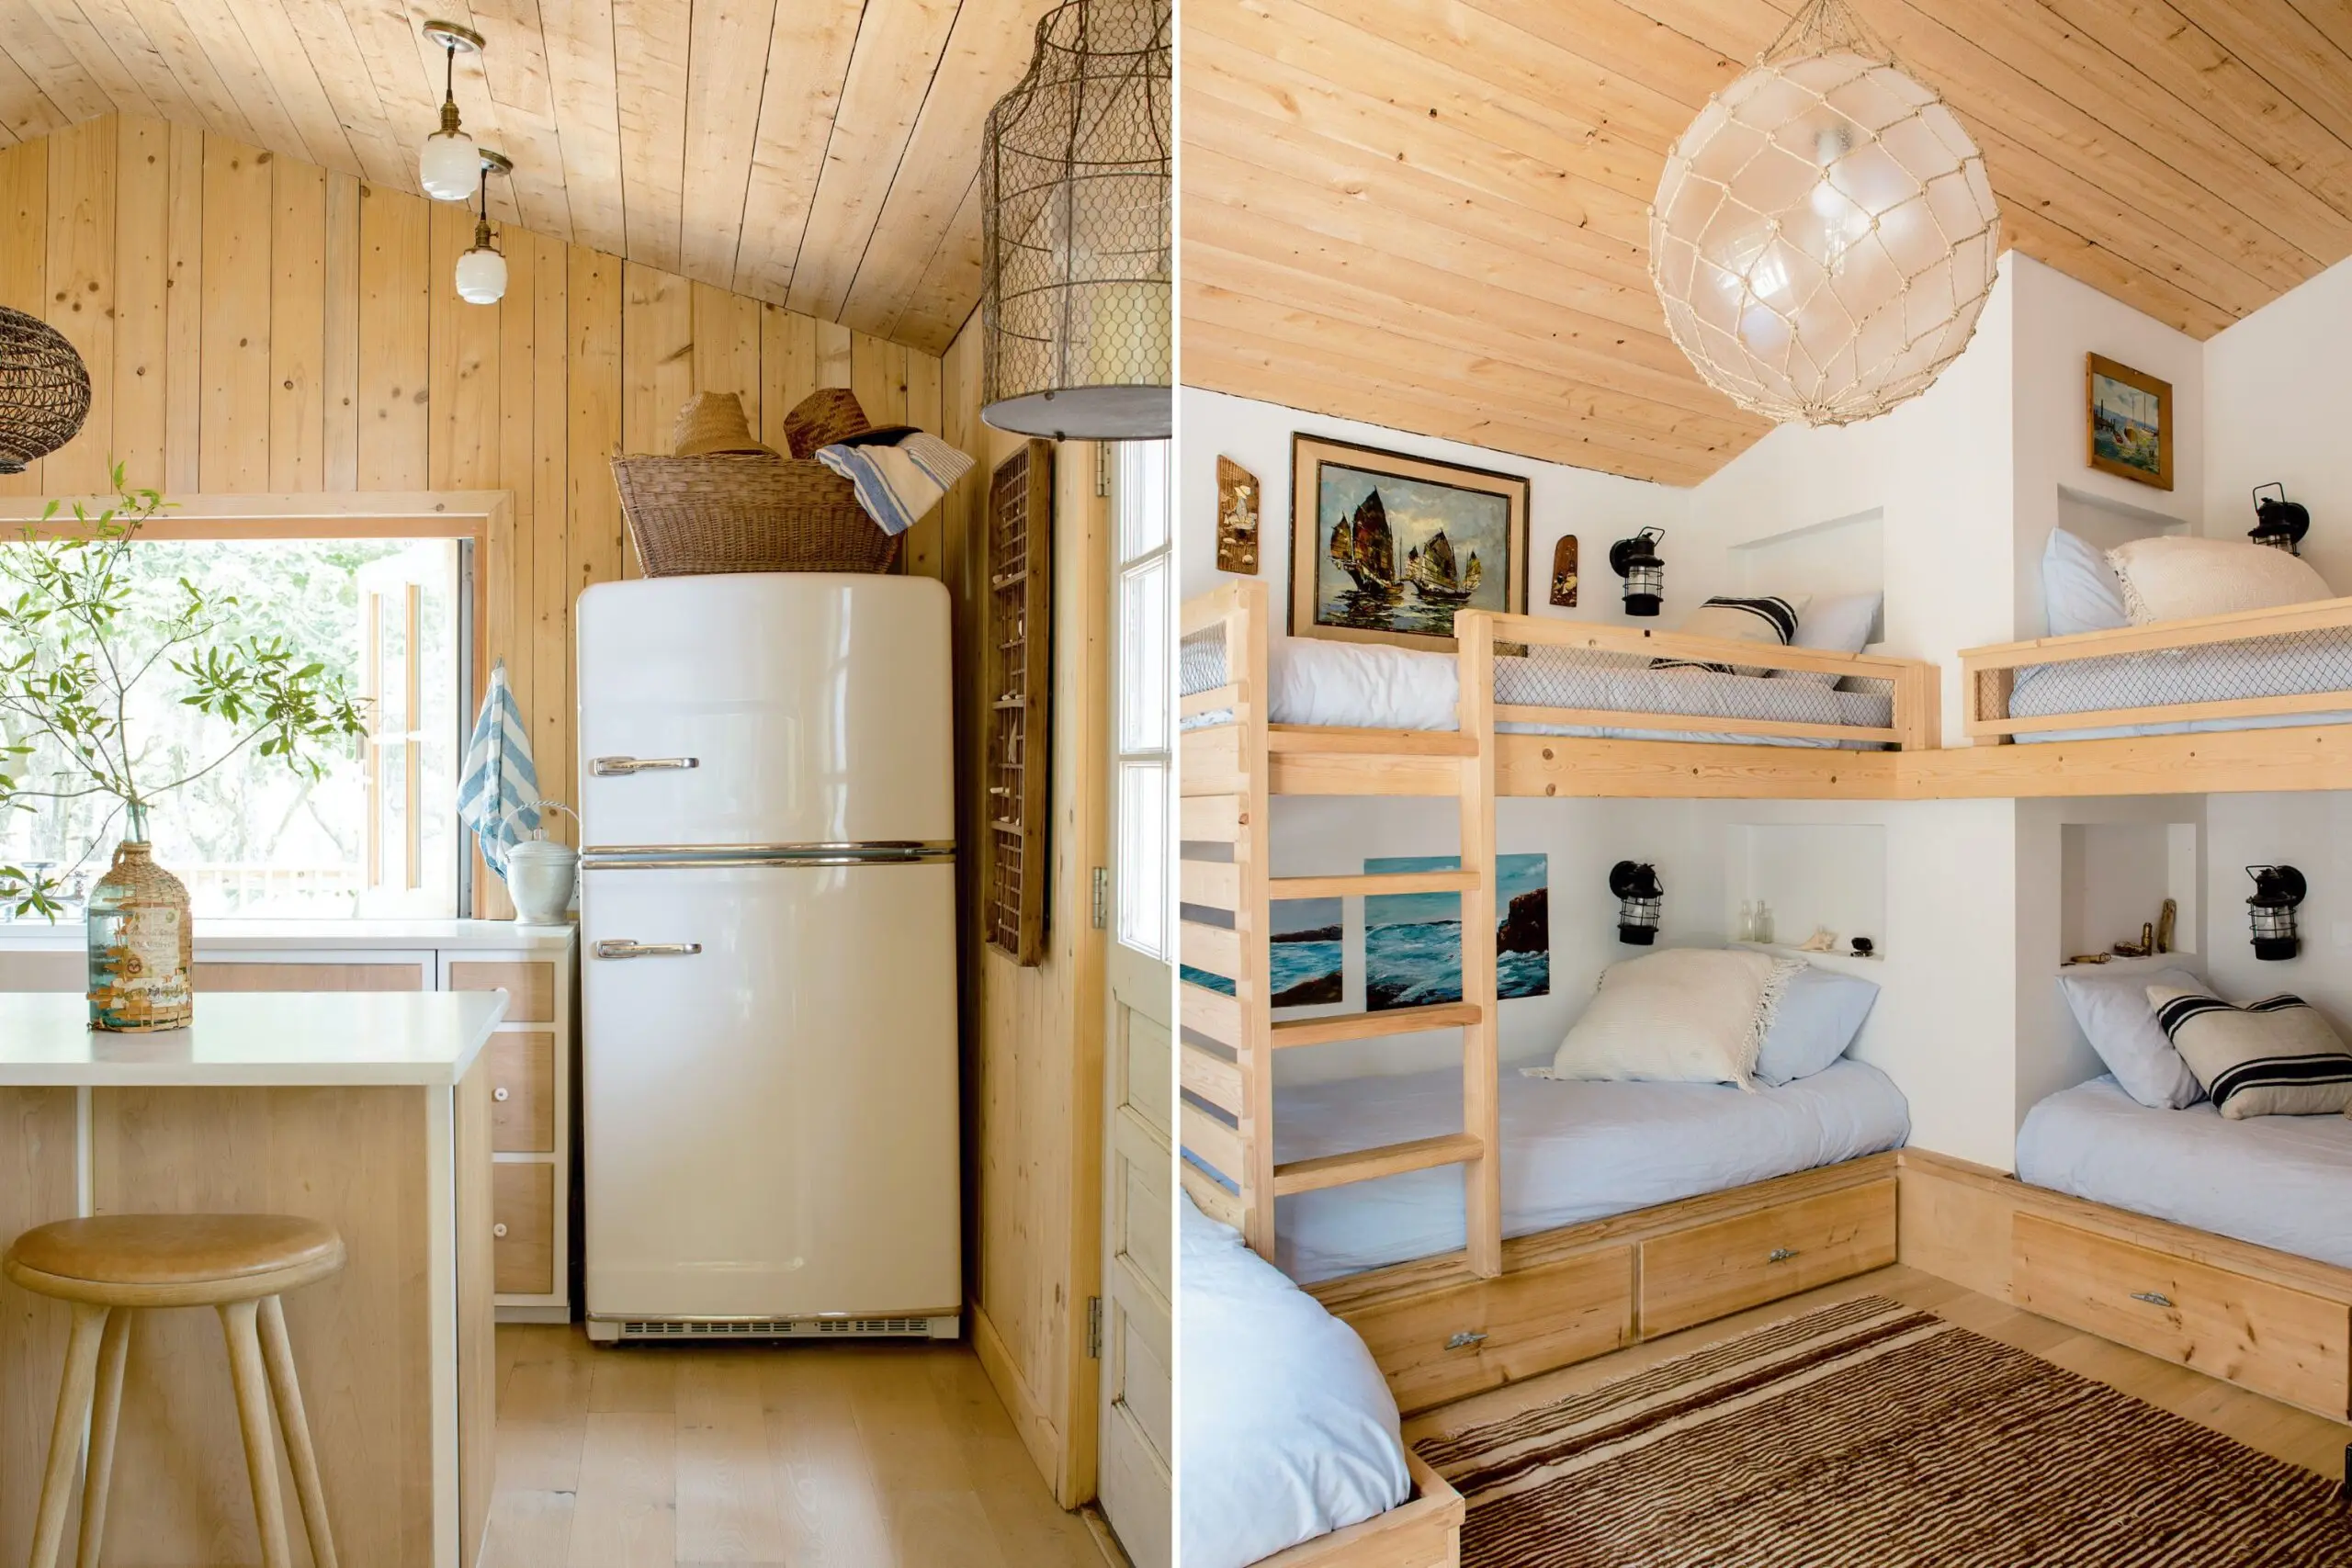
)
(2257, 669)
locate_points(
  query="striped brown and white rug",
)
(1871, 1435)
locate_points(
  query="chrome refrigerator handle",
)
(621, 767)
(624, 948)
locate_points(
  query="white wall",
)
(2312, 832)
(2275, 409)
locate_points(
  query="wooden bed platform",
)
(1425, 1531)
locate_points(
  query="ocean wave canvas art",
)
(1412, 942)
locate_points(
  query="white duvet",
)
(1288, 1431)
(2276, 1181)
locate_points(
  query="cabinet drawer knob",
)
(499, 1094)
(2154, 1297)
(499, 1230)
(1464, 1340)
(1782, 1255)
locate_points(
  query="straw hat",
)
(712, 423)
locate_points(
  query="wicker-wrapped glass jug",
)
(141, 943)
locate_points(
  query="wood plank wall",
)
(1033, 1036)
(257, 325)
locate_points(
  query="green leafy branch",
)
(72, 652)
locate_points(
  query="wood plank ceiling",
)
(1431, 214)
(819, 155)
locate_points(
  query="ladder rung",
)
(1362, 884)
(1212, 1013)
(1372, 1025)
(1297, 740)
(1367, 1164)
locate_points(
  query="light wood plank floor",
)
(2258, 1423)
(833, 1456)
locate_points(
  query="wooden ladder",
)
(1226, 1061)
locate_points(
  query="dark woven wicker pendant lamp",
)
(1078, 326)
(44, 391)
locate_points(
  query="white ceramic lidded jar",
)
(541, 874)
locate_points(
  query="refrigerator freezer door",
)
(764, 708)
(770, 1122)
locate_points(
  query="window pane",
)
(1143, 497)
(1143, 857)
(253, 836)
(1143, 656)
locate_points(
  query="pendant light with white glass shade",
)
(447, 166)
(1825, 235)
(481, 271)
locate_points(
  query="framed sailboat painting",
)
(1386, 547)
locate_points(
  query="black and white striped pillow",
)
(1769, 619)
(2274, 1057)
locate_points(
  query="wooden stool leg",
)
(279, 1353)
(246, 1369)
(105, 1419)
(65, 1437)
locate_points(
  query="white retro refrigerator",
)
(768, 978)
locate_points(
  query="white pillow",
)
(1771, 619)
(2174, 579)
(2115, 1017)
(1819, 1012)
(1686, 1015)
(1833, 626)
(2079, 590)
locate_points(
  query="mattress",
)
(1287, 1429)
(2259, 667)
(2276, 1181)
(1371, 687)
(1572, 1152)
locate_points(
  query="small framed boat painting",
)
(1386, 547)
(2131, 423)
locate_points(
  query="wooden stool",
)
(109, 1268)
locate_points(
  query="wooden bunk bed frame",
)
(2300, 757)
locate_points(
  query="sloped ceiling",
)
(818, 154)
(1432, 213)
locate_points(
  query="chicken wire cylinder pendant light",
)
(1077, 327)
(1824, 234)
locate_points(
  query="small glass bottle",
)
(1763, 922)
(1747, 931)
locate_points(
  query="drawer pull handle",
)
(624, 948)
(2154, 1297)
(621, 767)
(1464, 1340)
(499, 1230)
(499, 1094)
(1782, 1255)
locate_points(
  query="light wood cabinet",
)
(1442, 1347)
(529, 984)
(522, 1205)
(1713, 1271)
(2260, 1334)
(522, 1093)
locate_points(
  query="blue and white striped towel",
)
(899, 482)
(498, 796)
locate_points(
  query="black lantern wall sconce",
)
(1641, 900)
(1635, 560)
(2277, 890)
(2278, 522)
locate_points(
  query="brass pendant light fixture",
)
(446, 167)
(1077, 307)
(481, 271)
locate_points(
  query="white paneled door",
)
(1137, 1321)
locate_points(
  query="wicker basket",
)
(746, 514)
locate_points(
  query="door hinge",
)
(1102, 897)
(1103, 458)
(1094, 1328)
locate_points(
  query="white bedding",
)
(2281, 666)
(1288, 1431)
(1572, 1152)
(1373, 686)
(2276, 1181)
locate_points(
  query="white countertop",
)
(230, 935)
(243, 1039)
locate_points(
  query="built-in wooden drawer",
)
(1451, 1343)
(522, 1091)
(522, 1211)
(1713, 1271)
(2271, 1338)
(529, 984)
(229, 975)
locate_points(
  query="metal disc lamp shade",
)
(1075, 304)
(44, 391)
(1824, 235)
